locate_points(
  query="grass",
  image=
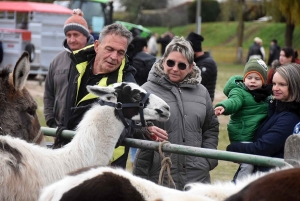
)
(224, 33)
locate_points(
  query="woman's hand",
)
(157, 134)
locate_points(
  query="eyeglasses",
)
(171, 63)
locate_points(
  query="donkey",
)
(18, 116)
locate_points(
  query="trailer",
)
(97, 13)
(33, 27)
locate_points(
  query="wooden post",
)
(292, 150)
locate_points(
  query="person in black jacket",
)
(274, 52)
(164, 40)
(255, 50)
(140, 60)
(205, 62)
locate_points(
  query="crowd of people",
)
(264, 102)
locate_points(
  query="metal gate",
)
(188, 150)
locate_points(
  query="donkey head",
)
(17, 108)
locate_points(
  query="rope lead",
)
(166, 164)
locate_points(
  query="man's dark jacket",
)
(274, 53)
(143, 63)
(209, 72)
(73, 113)
(73, 117)
(254, 50)
(164, 41)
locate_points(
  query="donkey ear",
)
(104, 93)
(21, 71)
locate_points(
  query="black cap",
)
(196, 40)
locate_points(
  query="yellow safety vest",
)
(81, 68)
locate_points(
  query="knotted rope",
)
(166, 164)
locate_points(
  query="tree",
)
(210, 11)
(241, 11)
(236, 10)
(290, 10)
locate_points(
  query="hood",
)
(90, 41)
(235, 81)
(157, 73)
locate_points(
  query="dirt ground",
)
(35, 88)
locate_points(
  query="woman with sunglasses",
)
(176, 79)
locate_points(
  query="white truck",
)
(33, 27)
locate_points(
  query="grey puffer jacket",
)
(56, 85)
(192, 123)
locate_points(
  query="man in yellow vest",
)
(102, 63)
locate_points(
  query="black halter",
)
(119, 106)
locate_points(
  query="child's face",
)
(253, 81)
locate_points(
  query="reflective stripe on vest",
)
(118, 152)
(102, 82)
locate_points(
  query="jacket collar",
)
(90, 41)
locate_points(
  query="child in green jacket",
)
(246, 103)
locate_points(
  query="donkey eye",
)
(30, 111)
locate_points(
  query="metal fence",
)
(188, 150)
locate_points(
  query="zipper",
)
(183, 119)
(179, 89)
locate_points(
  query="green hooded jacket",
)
(246, 113)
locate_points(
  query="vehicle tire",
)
(1, 52)
(31, 51)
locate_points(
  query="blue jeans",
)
(132, 153)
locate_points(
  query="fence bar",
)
(187, 150)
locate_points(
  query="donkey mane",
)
(4, 72)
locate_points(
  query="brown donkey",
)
(18, 116)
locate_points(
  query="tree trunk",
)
(289, 30)
(240, 31)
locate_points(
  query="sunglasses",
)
(171, 63)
